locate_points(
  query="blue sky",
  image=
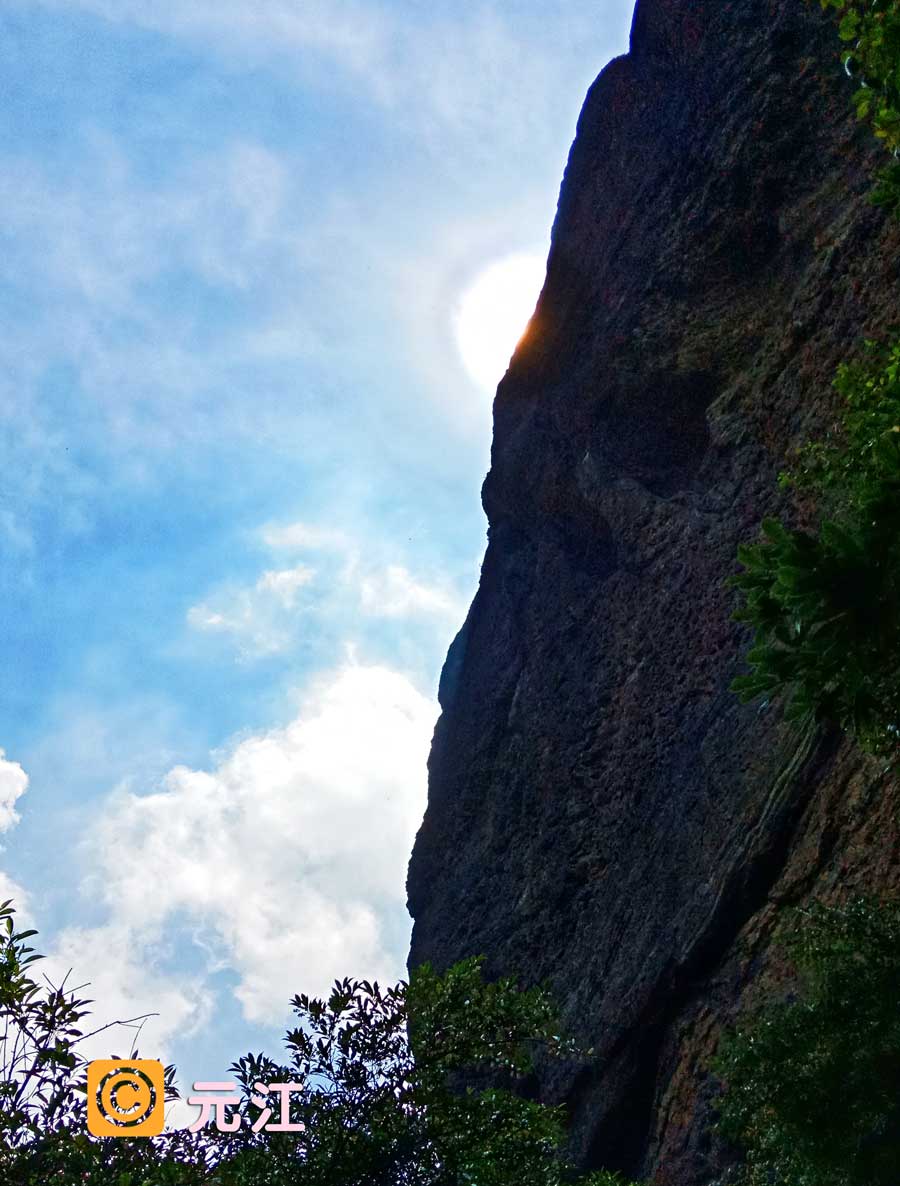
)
(242, 449)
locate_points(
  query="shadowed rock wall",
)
(602, 812)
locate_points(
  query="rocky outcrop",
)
(602, 812)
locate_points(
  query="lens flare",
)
(493, 314)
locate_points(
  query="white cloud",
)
(351, 33)
(268, 617)
(286, 857)
(124, 983)
(13, 784)
(97, 254)
(301, 537)
(10, 889)
(260, 618)
(284, 863)
(106, 965)
(282, 584)
(195, 297)
(485, 71)
(196, 309)
(395, 593)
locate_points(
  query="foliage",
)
(859, 460)
(37, 1053)
(42, 1104)
(411, 1085)
(813, 1082)
(825, 605)
(388, 1088)
(872, 30)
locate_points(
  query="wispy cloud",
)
(475, 70)
(395, 593)
(301, 537)
(222, 293)
(350, 33)
(105, 256)
(260, 618)
(205, 308)
(268, 617)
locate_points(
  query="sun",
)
(493, 313)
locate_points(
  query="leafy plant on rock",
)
(812, 1082)
(825, 604)
(871, 29)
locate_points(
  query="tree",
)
(43, 1138)
(411, 1085)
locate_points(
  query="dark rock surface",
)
(602, 812)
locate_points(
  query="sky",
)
(261, 266)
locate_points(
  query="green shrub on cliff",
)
(855, 464)
(812, 1083)
(825, 604)
(872, 29)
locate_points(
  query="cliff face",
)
(602, 812)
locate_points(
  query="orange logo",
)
(125, 1097)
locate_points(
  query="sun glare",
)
(492, 315)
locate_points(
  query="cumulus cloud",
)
(13, 784)
(117, 973)
(283, 864)
(11, 890)
(288, 856)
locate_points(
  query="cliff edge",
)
(602, 812)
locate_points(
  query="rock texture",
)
(602, 813)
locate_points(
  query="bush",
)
(872, 29)
(813, 1082)
(825, 604)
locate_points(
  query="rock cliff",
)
(602, 812)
